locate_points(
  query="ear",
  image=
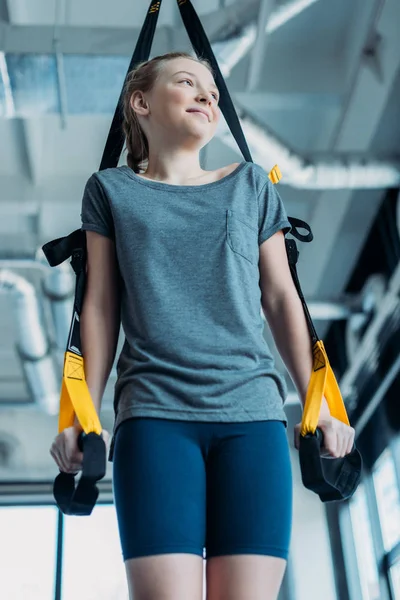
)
(139, 103)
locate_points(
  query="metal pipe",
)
(62, 88)
(59, 288)
(231, 51)
(8, 96)
(32, 344)
(299, 173)
(258, 50)
(377, 397)
(23, 263)
(368, 345)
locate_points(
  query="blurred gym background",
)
(316, 84)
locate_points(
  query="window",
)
(387, 498)
(369, 580)
(93, 565)
(395, 580)
(28, 552)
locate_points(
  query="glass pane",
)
(395, 580)
(28, 552)
(93, 565)
(387, 497)
(366, 561)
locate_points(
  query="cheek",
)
(216, 114)
(176, 97)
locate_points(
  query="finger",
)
(330, 439)
(344, 441)
(343, 438)
(55, 452)
(55, 457)
(350, 443)
(72, 452)
(68, 462)
(341, 443)
(76, 457)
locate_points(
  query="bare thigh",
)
(165, 576)
(244, 576)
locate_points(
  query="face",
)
(183, 103)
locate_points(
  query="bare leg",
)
(244, 576)
(165, 576)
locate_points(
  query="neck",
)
(175, 167)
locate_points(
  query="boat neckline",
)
(170, 186)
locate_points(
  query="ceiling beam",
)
(326, 261)
(291, 99)
(258, 50)
(120, 41)
(103, 41)
(32, 136)
(4, 12)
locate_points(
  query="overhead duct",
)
(230, 52)
(98, 90)
(32, 344)
(91, 84)
(58, 287)
(301, 173)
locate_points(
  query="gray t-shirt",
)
(194, 347)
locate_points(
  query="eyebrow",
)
(194, 75)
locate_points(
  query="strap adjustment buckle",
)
(77, 260)
(291, 251)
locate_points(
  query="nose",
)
(205, 97)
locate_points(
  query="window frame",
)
(384, 560)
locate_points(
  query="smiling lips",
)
(198, 110)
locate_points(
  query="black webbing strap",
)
(79, 500)
(57, 251)
(333, 479)
(293, 255)
(115, 139)
(203, 49)
(82, 499)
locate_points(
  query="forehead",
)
(189, 66)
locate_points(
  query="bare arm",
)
(100, 318)
(285, 315)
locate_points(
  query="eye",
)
(216, 96)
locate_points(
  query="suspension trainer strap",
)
(75, 399)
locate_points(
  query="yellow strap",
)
(75, 397)
(322, 383)
(275, 174)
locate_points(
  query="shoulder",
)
(260, 174)
(106, 181)
(257, 177)
(108, 175)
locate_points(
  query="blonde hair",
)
(142, 78)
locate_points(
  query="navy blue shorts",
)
(210, 489)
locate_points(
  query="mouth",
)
(200, 112)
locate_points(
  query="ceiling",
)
(325, 83)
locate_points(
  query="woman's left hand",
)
(338, 437)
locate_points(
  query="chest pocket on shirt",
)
(242, 236)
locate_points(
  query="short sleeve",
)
(96, 212)
(272, 215)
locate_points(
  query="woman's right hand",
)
(65, 450)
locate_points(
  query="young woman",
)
(187, 258)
